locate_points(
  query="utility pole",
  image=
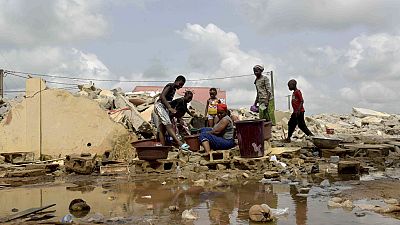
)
(288, 101)
(1, 83)
(272, 84)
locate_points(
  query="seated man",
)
(220, 137)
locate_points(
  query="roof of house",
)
(201, 94)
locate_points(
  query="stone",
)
(200, 169)
(221, 167)
(271, 175)
(349, 167)
(200, 183)
(245, 175)
(347, 204)
(334, 159)
(391, 201)
(334, 204)
(325, 183)
(337, 200)
(260, 213)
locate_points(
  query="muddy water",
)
(227, 205)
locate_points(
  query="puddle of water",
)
(221, 206)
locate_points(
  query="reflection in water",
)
(228, 205)
(300, 205)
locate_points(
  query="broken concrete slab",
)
(26, 173)
(361, 113)
(131, 116)
(114, 169)
(47, 167)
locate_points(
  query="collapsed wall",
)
(54, 122)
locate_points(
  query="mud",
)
(147, 200)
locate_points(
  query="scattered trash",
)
(189, 215)
(164, 183)
(67, 219)
(146, 197)
(279, 212)
(275, 160)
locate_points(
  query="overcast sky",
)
(343, 53)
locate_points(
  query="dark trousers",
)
(298, 119)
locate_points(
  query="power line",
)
(124, 81)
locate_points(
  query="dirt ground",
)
(374, 190)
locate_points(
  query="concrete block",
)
(250, 163)
(158, 166)
(348, 167)
(80, 164)
(219, 155)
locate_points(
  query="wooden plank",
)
(24, 213)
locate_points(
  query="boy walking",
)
(163, 109)
(297, 117)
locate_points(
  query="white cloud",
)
(53, 60)
(216, 53)
(287, 15)
(26, 22)
(331, 79)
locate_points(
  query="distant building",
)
(201, 94)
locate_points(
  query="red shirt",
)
(297, 99)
